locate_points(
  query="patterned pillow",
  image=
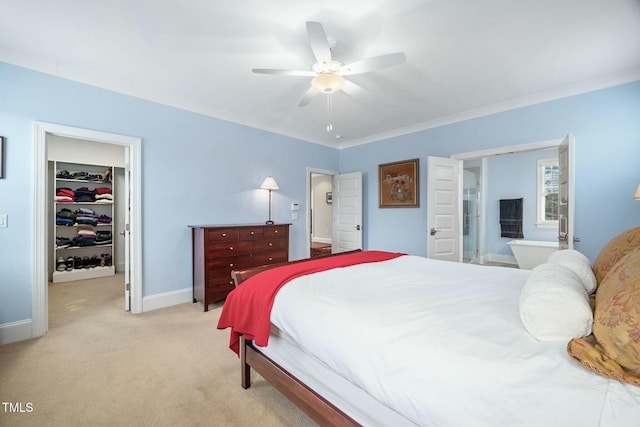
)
(613, 251)
(614, 348)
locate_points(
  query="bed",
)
(374, 338)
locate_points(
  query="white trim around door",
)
(40, 309)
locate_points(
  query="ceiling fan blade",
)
(356, 91)
(373, 63)
(308, 96)
(318, 41)
(304, 73)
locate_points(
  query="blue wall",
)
(606, 126)
(512, 176)
(196, 169)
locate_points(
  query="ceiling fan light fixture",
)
(327, 82)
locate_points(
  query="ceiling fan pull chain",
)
(330, 112)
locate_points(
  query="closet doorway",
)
(319, 212)
(129, 175)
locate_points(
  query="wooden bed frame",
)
(304, 397)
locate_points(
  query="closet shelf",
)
(84, 225)
(92, 205)
(74, 248)
(82, 180)
(83, 203)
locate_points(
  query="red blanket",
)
(247, 309)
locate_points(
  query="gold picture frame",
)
(398, 184)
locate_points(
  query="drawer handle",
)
(275, 231)
(224, 234)
(230, 248)
(270, 244)
(270, 259)
(231, 282)
(252, 233)
(231, 265)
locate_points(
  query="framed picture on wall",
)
(1, 156)
(398, 184)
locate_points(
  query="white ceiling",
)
(465, 58)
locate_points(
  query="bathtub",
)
(530, 253)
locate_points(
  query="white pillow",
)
(554, 305)
(580, 265)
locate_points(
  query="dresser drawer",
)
(251, 233)
(262, 258)
(220, 278)
(219, 290)
(229, 262)
(221, 249)
(222, 234)
(275, 230)
(269, 244)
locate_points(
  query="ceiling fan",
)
(328, 73)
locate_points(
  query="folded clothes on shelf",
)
(64, 221)
(104, 219)
(63, 242)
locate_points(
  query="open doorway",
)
(42, 184)
(320, 213)
(508, 173)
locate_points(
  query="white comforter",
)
(442, 343)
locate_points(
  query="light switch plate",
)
(3, 220)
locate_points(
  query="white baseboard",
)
(326, 240)
(167, 299)
(505, 259)
(15, 331)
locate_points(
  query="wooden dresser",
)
(219, 249)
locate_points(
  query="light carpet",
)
(101, 366)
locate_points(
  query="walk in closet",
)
(86, 210)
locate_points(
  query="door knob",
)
(433, 231)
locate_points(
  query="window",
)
(548, 192)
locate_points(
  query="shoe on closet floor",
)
(69, 263)
(86, 262)
(94, 261)
(77, 262)
(61, 265)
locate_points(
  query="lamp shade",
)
(269, 184)
(637, 195)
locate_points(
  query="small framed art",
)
(398, 185)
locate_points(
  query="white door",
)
(444, 219)
(347, 212)
(566, 201)
(126, 232)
